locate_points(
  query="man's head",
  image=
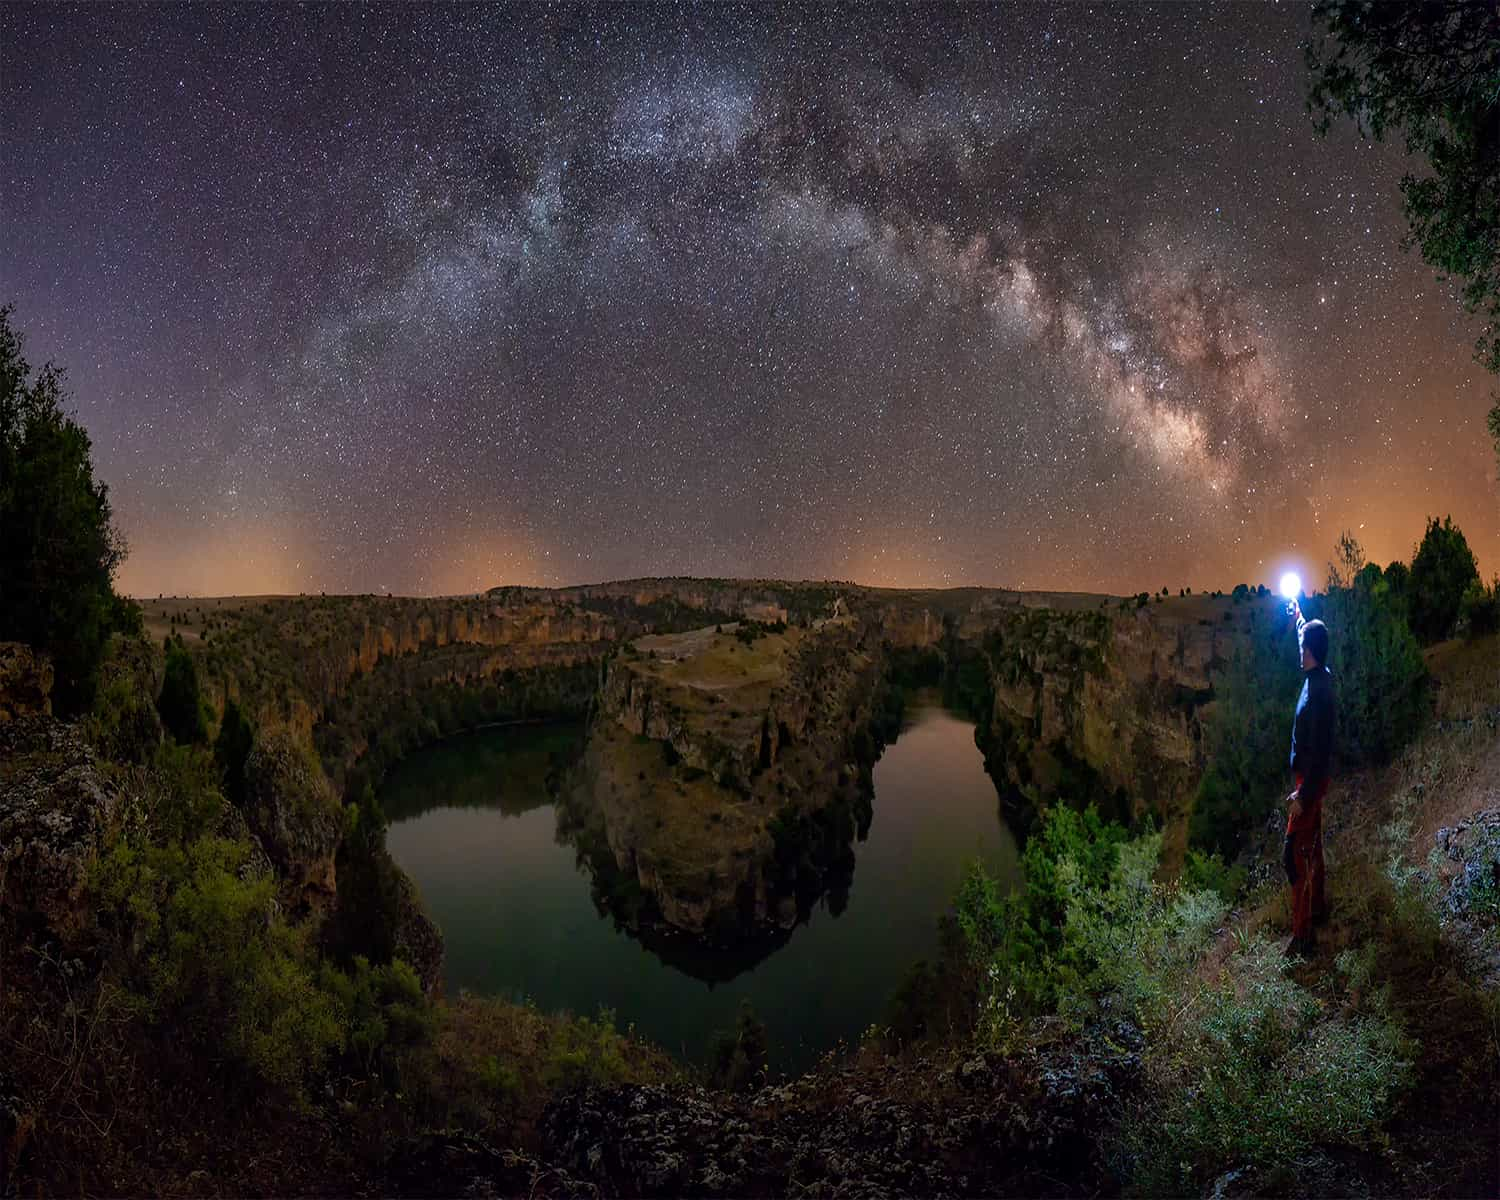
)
(1314, 645)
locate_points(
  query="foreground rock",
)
(57, 811)
(25, 682)
(986, 1126)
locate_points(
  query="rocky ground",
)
(975, 1126)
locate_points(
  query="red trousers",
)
(1306, 835)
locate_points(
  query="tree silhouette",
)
(1441, 572)
(58, 548)
(1432, 72)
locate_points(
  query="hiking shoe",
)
(1299, 948)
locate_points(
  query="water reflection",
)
(494, 855)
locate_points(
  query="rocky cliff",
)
(714, 757)
(1103, 705)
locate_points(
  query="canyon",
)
(732, 723)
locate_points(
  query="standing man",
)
(1312, 759)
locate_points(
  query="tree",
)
(232, 749)
(180, 704)
(1441, 572)
(1377, 667)
(58, 548)
(1432, 72)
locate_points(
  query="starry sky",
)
(430, 299)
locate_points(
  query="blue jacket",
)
(1312, 729)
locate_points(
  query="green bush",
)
(123, 724)
(1246, 741)
(1013, 938)
(1246, 1069)
(585, 1052)
(383, 1013)
(211, 961)
(1250, 1071)
(1209, 873)
(231, 749)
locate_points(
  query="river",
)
(473, 824)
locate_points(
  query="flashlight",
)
(1291, 587)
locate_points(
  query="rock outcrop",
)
(715, 759)
(984, 1127)
(293, 812)
(25, 682)
(57, 811)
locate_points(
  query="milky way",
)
(434, 298)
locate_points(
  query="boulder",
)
(56, 813)
(25, 682)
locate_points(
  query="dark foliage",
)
(1432, 73)
(1441, 573)
(1377, 667)
(180, 702)
(740, 1054)
(58, 548)
(1379, 682)
(232, 749)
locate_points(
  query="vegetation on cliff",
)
(58, 545)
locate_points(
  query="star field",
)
(433, 298)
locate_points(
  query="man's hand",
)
(1295, 800)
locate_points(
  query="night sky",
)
(436, 298)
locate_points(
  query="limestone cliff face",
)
(440, 623)
(1124, 694)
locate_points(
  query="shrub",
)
(231, 749)
(584, 1052)
(1011, 938)
(1209, 873)
(1246, 740)
(211, 962)
(123, 724)
(740, 1053)
(1250, 1072)
(1479, 613)
(383, 1013)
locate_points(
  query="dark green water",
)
(473, 824)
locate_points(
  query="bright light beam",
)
(1291, 585)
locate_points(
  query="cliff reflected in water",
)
(532, 907)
